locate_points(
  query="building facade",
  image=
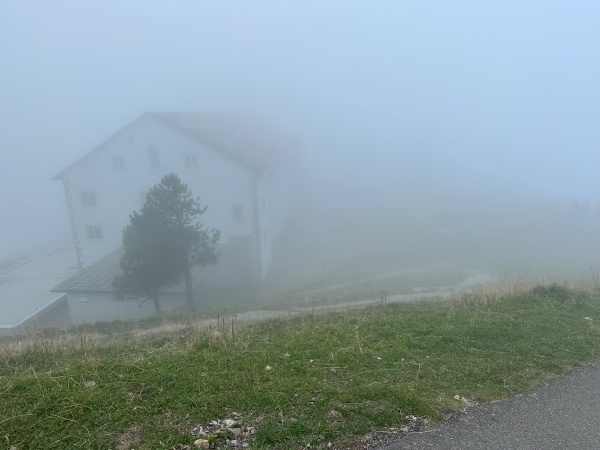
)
(243, 175)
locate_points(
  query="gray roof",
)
(235, 138)
(25, 286)
(98, 277)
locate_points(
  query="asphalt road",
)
(562, 414)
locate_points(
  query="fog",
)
(429, 131)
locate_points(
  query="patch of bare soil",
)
(130, 438)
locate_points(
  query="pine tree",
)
(163, 241)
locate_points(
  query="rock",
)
(201, 443)
(229, 423)
(89, 384)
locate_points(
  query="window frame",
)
(94, 232)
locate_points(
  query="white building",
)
(242, 174)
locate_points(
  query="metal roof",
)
(25, 286)
(98, 277)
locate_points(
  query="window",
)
(118, 162)
(153, 157)
(94, 232)
(88, 198)
(238, 213)
(190, 161)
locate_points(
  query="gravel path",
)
(562, 414)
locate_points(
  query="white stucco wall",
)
(220, 183)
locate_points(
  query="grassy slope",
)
(333, 377)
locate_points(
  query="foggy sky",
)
(394, 95)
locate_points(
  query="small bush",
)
(554, 291)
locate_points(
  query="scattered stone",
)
(224, 434)
(229, 423)
(334, 415)
(268, 368)
(465, 401)
(89, 384)
(202, 443)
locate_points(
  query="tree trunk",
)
(156, 301)
(189, 289)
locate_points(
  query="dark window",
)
(118, 162)
(190, 161)
(153, 157)
(238, 213)
(88, 198)
(94, 232)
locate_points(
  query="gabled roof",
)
(235, 138)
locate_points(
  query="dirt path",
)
(476, 278)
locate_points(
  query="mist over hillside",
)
(427, 131)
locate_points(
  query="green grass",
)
(333, 377)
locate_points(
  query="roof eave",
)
(59, 176)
